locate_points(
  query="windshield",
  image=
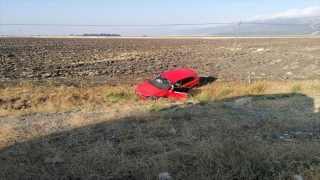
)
(160, 82)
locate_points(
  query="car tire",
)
(151, 98)
(195, 86)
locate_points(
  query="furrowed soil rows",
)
(73, 61)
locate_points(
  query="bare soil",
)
(113, 61)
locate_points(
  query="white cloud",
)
(292, 13)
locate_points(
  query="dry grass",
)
(221, 90)
(26, 98)
(118, 136)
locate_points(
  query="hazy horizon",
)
(108, 14)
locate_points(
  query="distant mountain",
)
(272, 27)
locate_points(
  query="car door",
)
(177, 95)
(185, 84)
(181, 88)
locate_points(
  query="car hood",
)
(148, 89)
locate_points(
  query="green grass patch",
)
(113, 96)
(157, 107)
(256, 88)
(296, 88)
(202, 96)
(225, 92)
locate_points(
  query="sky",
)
(139, 12)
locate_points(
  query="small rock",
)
(196, 164)
(316, 104)
(31, 76)
(297, 133)
(164, 176)
(193, 137)
(258, 138)
(91, 74)
(227, 105)
(112, 139)
(194, 102)
(242, 101)
(173, 130)
(46, 75)
(288, 140)
(55, 159)
(298, 177)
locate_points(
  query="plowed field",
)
(92, 61)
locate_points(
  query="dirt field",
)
(91, 61)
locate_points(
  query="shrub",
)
(157, 107)
(296, 88)
(256, 89)
(113, 96)
(203, 96)
(224, 92)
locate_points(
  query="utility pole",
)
(235, 41)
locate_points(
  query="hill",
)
(272, 27)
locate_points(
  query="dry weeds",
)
(105, 132)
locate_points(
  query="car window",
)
(177, 84)
(187, 80)
(160, 82)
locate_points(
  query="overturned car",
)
(170, 84)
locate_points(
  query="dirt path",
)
(48, 123)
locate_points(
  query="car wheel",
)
(151, 98)
(195, 86)
(161, 98)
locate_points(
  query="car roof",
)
(178, 74)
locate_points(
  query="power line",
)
(141, 25)
(146, 25)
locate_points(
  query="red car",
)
(170, 84)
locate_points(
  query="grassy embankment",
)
(27, 98)
(274, 137)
